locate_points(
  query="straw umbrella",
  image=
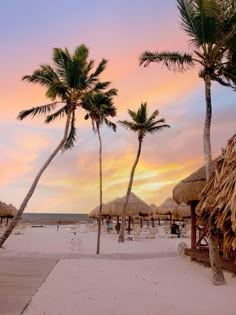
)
(7, 211)
(3, 210)
(167, 208)
(217, 207)
(135, 207)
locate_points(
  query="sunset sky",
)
(117, 30)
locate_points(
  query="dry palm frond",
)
(217, 206)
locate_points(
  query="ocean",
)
(54, 218)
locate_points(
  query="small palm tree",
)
(142, 125)
(66, 83)
(99, 107)
(212, 31)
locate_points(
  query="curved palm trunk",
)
(100, 206)
(122, 228)
(16, 218)
(217, 271)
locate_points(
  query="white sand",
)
(143, 277)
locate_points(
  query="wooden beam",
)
(193, 224)
(203, 256)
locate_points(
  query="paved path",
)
(20, 277)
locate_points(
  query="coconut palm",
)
(142, 125)
(66, 83)
(212, 31)
(99, 107)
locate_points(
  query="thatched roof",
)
(135, 207)
(7, 210)
(189, 188)
(182, 211)
(217, 206)
(167, 207)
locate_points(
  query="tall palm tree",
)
(142, 125)
(212, 30)
(99, 107)
(70, 79)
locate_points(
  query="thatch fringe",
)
(189, 188)
(217, 206)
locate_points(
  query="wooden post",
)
(159, 221)
(129, 224)
(141, 223)
(171, 221)
(7, 221)
(193, 224)
(153, 223)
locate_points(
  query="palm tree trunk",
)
(217, 271)
(16, 218)
(122, 228)
(100, 206)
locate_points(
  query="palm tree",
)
(99, 107)
(142, 125)
(66, 84)
(211, 30)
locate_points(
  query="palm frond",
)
(43, 110)
(58, 114)
(187, 11)
(157, 128)
(153, 116)
(100, 68)
(101, 86)
(110, 124)
(128, 125)
(61, 58)
(70, 141)
(81, 52)
(172, 60)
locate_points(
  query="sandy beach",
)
(142, 276)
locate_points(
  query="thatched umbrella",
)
(135, 208)
(7, 211)
(217, 206)
(3, 209)
(167, 208)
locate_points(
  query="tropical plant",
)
(66, 83)
(210, 24)
(142, 125)
(99, 107)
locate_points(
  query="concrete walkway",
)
(20, 277)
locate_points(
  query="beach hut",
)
(187, 191)
(217, 206)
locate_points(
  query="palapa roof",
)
(183, 210)
(7, 210)
(217, 206)
(135, 207)
(167, 207)
(189, 188)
